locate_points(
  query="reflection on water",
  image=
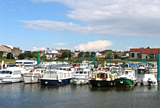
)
(19, 95)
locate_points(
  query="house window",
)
(132, 55)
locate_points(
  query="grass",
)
(8, 61)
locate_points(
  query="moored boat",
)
(126, 78)
(62, 75)
(11, 75)
(82, 76)
(103, 79)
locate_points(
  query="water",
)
(19, 95)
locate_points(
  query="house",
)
(51, 54)
(16, 51)
(5, 50)
(103, 54)
(144, 53)
(75, 54)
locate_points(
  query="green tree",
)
(44, 57)
(87, 54)
(21, 56)
(35, 54)
(109, 54)
(80, 55)
(28, 54)
(93, 54)
(65, 54)
(116, 56)
(10, 56)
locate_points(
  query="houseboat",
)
(103, 78)
(62, 75)
(126, 78)
(33, 77)
(82, 76)
(11, 75)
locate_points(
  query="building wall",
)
(16, 52)
(134, 55)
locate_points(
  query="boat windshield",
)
(5, 72)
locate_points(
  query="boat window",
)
(18, 62)
(64, 75)
(85, 72)
(28, 62)
(60, 68)
(126, 72)
(106, 75)
(64, 69)
(46, 75)
(81, 72)
(97, 75)
(61, 75)
(68, 74)
(77, 72)
(17, 72)
(102, 75)
(7, 72)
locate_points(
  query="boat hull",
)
(101, 83)
(9, 80)
(31, 80)
(80, 81)
(54, 82)
(124, 82)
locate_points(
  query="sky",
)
(88, 25)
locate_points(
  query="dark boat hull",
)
(54, 82)
(102, 83)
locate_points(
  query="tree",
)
(80, 55)
(116, 56)
(35, 54)
(44, 57)
(93, 54)
(21, 56)
(10, 56)
(109, 54)
(87, 54)
(65, 54)
(28, 54)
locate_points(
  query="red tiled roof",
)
(146, 50)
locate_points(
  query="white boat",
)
(82, 76)
(149, 79)
(126, 78)
(11, 75)
(33, 77)
(26, 64)
(61, 75)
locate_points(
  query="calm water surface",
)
(21, 95)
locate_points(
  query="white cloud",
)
(37, 49)
(107, 17)
(59, 44)
(94, 45)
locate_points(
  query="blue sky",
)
(83, 24)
